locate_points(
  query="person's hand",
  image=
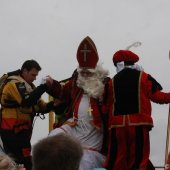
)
(167, 166)
(21, 167)
(47, 80)
(57, 102)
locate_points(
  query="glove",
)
(46, 80)
(43, 80)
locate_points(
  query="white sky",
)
(50, 31)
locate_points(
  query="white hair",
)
(93, 85)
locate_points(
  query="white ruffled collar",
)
(120, 66)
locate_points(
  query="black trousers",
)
(18, 146)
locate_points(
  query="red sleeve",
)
(160, 97)
(63, 92)
(155, 93)
(55, 89)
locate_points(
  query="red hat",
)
(87, 55)
(125, 55)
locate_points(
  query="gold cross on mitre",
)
(85, 51)
(89, 110)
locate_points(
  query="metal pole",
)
(167, 138)
(51, 117)
(167, 135)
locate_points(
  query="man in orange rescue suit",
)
(20, 102)
(131, 121)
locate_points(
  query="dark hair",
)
(59, 152)
(29, 64)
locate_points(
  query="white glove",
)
(43, 80)
(46, 80)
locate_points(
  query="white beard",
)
(93, 86)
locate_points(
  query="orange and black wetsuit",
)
(20, 101)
